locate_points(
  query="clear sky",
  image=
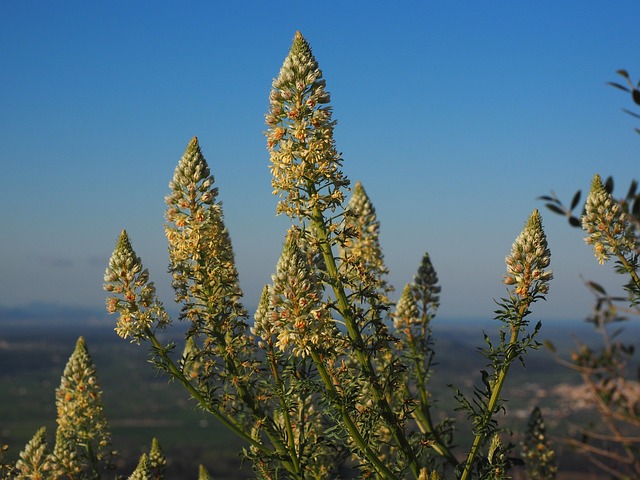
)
(454, 115)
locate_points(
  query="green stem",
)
(287, 417)
(348, 421)
(423, 414)
(359, 345)
(630, 269)
(292, 466)
(495, 392)
(176, 373)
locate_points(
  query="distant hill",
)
(51, 314)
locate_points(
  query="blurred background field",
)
(141, 404)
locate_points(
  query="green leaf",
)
(550, 346)
(576, 199)
(597, 287)
(555, 209)
(608, 185)
(632, 189)
(617, 85)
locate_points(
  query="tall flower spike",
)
(135, 296)
(157, 459)
(537, 452)
(425, 288)
(265, 323)
(362, 247)
(296, 311)
(527, 265)
(608, 227)
(143, 470)
(35, 461)
(82, 437)
(304, 161)
(201, 256)
(406, 313)
(203, 473)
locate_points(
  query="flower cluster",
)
(406, 313)
(200, 251)
(82, 437)
(610, 231)
(35, 460)
(425, 288)
(538, 455)
(135, 296)
(291, 314)
(527, 265)
(304, 161)
(361, 248)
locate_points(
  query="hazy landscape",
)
(35, 346)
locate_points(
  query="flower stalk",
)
(529, 276)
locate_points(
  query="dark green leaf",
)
(550, 346)
(555, 208)
(576, 199)
(632, 189)
(608, 185)
(629, 112)
(617, 85)
(547, 198)
(574, 222)
(597, 287)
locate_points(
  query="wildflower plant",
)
(611, 226)
(528, 276)
(35, 460)
(83, 441)
(327, 377)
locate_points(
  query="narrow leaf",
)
(576, 199)
(617, 85)
(632, 189)
(555, 209)
(597, 287)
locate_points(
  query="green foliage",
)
(331, 380)
(611, 225)
(327, 380)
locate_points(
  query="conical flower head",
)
(304, 161)
(265, 319)
(527, 265)
(203, 473)
(609, 229)
(425, 288)
(362, 247)
(191, 187)
(295, 311)
(157, 458)
(406, 313)
(200, 248)
(537, 452)
(82, 437)
(135, 296)
(35, 460)
(143, 469)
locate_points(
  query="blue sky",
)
(454, 115)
